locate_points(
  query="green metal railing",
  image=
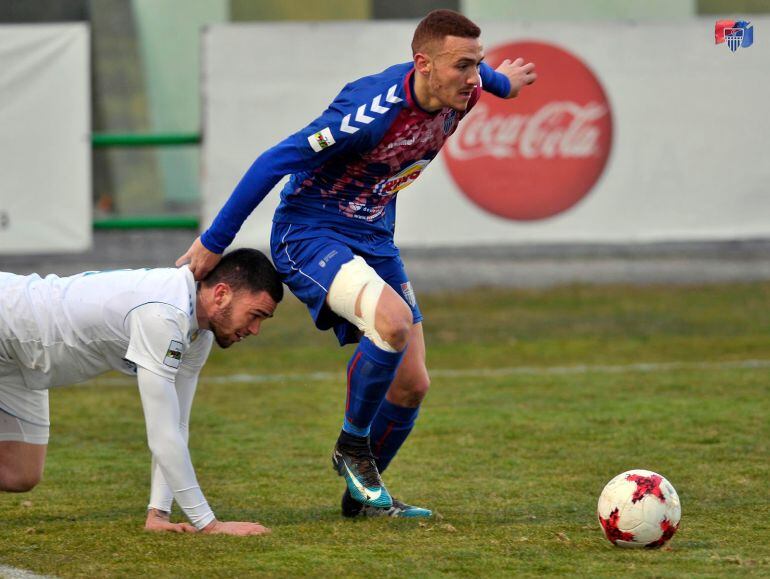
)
(99, 140)
(103, 140)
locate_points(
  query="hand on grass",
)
(234, 528)
(158, 521)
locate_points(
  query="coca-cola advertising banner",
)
(539, 158)
(623, 138)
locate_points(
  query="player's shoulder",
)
(377, 91)
(359, 114)
(162, 313)
(365, 106)
(170, 289)
(373, 83)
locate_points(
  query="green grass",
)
(512, 461)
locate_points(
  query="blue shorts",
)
(309, 257)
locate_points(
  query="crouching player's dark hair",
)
(246, 269)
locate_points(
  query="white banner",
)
(633, 132)
(45, 147)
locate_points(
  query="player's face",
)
(240, 317)
(454, 72)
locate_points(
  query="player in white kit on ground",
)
(155, 324)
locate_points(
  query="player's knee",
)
(415, 389)
(18, 481)
(394, 323)
(421, 387)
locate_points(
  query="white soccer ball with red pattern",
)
(639, 508)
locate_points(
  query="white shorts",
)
(23, 412)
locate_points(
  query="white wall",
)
(573, 10)
(689, 117)
(45, 138)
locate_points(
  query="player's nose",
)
(253, 327)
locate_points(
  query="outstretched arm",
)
(299, 152)
(161, 495)
(168, 447)
(162, 417)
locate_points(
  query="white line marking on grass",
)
(489, 372)
(13, 573)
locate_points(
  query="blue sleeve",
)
(328, 135)
(494, 82)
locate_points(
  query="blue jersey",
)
(348, 165)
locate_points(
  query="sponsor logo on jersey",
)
(323, 139)
(174, 354)
(408, 293)
(402, 179)
(544, 155)
(411, 141)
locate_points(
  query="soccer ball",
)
(639, 508)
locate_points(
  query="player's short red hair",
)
(441, 23)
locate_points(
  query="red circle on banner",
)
(536, 155)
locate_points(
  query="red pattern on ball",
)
(668, 532)
(646, 485)
(611, 530)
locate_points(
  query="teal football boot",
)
(352, 459)
(352, 508)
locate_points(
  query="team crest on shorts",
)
(408, 293)
(174, 354)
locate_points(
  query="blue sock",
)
(389, 430)
(370, 372)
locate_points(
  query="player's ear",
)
(423, 63)
(223, 294)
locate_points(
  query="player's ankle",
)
(350, 439)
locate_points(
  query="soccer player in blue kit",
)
(332, 237)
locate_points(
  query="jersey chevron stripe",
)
(376, 107)
(391, 96)
(362, 117)
(345, 126)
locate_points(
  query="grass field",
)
(538, 399)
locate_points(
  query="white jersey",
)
(66, 330)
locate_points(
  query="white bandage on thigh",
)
(354, 278)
